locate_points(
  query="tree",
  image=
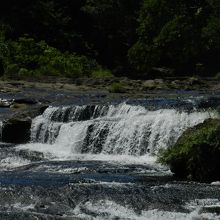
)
(172, 34)
(112, 29)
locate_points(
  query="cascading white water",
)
(116, 130)
(1, 125)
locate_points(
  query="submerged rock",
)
(196, 154)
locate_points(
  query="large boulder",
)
(196, 155)
(16, 130)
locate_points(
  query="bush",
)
(28, 57)
(102, 73)
(3, 52)
(217, 75)
(12, 70)
(117, 87)
(196, 154)
(23, 72)
(218, 110)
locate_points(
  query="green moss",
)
(196, 154)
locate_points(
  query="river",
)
(99, 161)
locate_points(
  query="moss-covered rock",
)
(196, 155)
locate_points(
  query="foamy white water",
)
(1, 124)
(110, 210)
(122, 130)
(13, 162)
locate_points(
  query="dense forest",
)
(134, 38)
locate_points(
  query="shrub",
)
(102, 73)
(217, 75)
(12, 70)
(117, 87)
(218, 111)
(196, 154)
(28, 57)
(23, 72)
(3, 52)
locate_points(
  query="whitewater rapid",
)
(115, 132)
(100, 162)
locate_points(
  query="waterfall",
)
(1, 125)
(121, 129)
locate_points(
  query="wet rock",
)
(31, 155)
(32, 112)
(149, 84)
(210, 101)
(162, 71)
(211, 209)
(195, 83)
(4, 103)
(16, 130)
(42, 109)
(29, 101)
(15, 83)
(175, 84)
(19, 106)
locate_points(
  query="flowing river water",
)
(100, 162)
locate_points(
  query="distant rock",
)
(154, 84)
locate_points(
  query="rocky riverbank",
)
(130, 86)
(41, 89)
(89, 161)
(20, 101)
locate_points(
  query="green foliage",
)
(73, 25)
(28, 57)
(12, 70)
(218, 110)
(115, 21)
(196, 154)
(217, 75)
(211, 32)
(133, 36)
(117, 87)
(23, 72)
(178, 35)
(4, 51)
(102, 73)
